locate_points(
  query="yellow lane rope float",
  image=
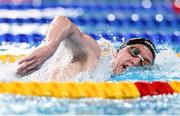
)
(175, 85)
(72, 90)
(111, 90)
(178, 55)
(10, 58)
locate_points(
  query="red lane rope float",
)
(153, 88)
(111, 90)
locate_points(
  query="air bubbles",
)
(177, 33)
(111, 17)
(159, 17)
(135, 17)
(146, 4)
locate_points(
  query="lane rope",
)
(111, 90)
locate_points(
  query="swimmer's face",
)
(123, 59)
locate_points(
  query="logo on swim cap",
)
(150, 44)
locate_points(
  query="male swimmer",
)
(135, 52)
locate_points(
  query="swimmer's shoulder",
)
(92, 51)
(93, 45)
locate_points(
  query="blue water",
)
(112, 20)
(15, 104)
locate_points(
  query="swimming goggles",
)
(136, 53)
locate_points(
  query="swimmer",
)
(135, 52)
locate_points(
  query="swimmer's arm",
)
(61, 28)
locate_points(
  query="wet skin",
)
(123, 59)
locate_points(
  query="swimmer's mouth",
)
(124, 67)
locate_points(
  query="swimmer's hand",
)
(34, 61)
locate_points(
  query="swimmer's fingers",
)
(25, 65)
(30, 69)
(26, 59)
(33, 67)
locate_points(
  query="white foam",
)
(102, 72)
(166, 61)
(166, 67)
(61, 58)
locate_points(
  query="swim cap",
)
(142, 41)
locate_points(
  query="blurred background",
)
(24, 23)
(28, 20)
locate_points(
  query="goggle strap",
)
(141, 57)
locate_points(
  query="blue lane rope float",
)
(35, 38)
(151, 22)
(22, 38)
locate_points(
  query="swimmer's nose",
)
(135, 61)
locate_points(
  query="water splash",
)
(58, 60)
(166, 68)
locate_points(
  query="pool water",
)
(23, 27)
(163, 70)
(156, 105)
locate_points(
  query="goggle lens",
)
(134, 51)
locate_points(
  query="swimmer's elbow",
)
(62, 19)
(66, 23)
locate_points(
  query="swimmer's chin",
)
(115, 72)
(124, 70)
